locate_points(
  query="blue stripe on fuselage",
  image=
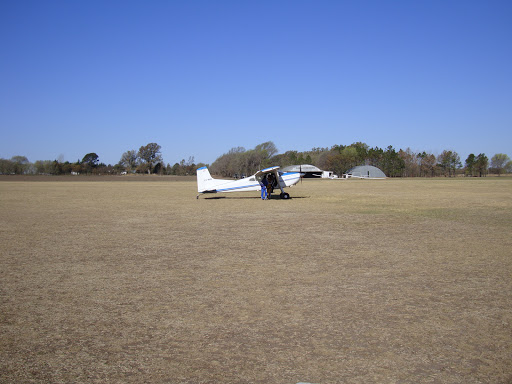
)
(234, 188)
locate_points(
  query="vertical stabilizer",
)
(205, 181)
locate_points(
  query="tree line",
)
(341, 158)
(239, 161)
(148, 159)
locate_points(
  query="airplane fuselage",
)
(207, 184)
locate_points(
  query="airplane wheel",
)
(284, 196)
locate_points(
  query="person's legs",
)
(263, 192)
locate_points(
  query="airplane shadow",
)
(252, 198)
(230, 198)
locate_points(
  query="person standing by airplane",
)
(270, 184)
(264, 184)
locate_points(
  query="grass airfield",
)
(129, 280)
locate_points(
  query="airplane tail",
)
(205, 182)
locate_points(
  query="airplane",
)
(207, 184)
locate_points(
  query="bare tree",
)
(449, 161)
(20, 164)
(411, 163)
(268, 147)
(129, 160)
(499, 161)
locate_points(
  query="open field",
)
(358, 281)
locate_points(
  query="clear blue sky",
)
(201, 77)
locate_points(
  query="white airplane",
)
(207, 184)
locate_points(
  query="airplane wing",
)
(265, 171)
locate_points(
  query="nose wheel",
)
(284, 196)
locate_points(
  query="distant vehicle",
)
(207, 184)
(329, 175)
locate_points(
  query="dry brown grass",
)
(348, 282)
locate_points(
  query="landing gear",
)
(284, 196)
